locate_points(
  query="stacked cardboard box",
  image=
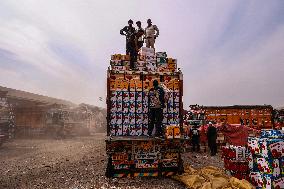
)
(172, 65)
(266, 159)
(129, 92)
(235, 161)
(172, 131)
(129, 104)
(120, 62)
(147, 60)
(150, 58)
(162, 64)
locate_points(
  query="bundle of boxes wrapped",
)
(261, 162)
(266, 159)
(147, 60)
(235, 161)
(129, 93)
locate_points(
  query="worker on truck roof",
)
(151, 33)
(156, 105)
(139, 36)
(129, 31)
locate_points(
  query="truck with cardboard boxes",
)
(130, 151)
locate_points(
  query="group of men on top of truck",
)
(134, 41)
(135, 38)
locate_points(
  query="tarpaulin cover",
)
(236, 134)
(210, 178)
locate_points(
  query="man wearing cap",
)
(151, 33)
(212, 137)
(156, 105)
(129, 32)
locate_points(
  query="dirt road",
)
(70, 163)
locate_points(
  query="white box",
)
(140, 63)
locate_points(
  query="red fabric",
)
(236, 134)
(203, 131)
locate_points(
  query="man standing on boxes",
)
(129, 32)
(212, 137)
(156, 105)
(139, 36)
(151, 33)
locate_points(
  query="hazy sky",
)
(231, 51)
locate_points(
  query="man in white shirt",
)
(151, 33)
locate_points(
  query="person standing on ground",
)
(195, 138)
(212, 137)
(151, 33)
(156, 105)
(129, 32)
(139, 36)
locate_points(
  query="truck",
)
(130, 152)
(7, 122)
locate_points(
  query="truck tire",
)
(109, 169)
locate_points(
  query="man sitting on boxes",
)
(129, 31)
(156, 105)
(151, 33)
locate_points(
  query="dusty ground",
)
(74, 164)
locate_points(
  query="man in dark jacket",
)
(139, 36)
(212, 137)
(129, 31)
(195, 138)
(156, 105)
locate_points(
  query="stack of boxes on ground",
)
(266, 159)
(129, 93)
(235, 161)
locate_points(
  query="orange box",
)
(172, 61)
(138, 85)
(125, 85)
(176, 85)
(172, 66)
(146, 85)
(173, 131)
(169, 132)
(132, 85)
(176, 132)
(112, 85)
(125, 57)
(170, 85)
(119, 84)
